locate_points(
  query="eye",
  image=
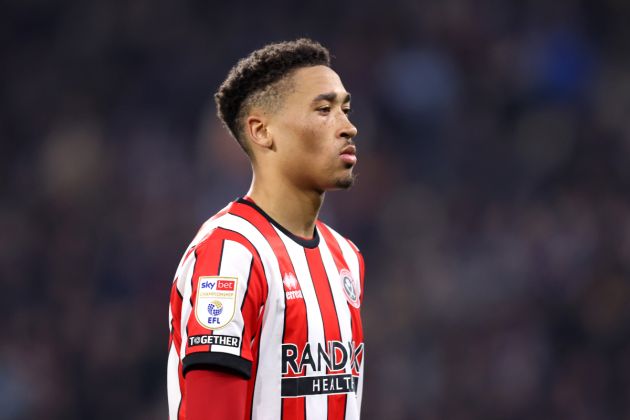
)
(347, 111)
(323, 109)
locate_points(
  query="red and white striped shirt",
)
(280, 310)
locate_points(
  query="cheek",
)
(311, 140)
(308, 138)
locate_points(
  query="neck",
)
(293, 208)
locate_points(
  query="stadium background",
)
(492, 206)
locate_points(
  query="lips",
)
(349, 154)
(349, 150)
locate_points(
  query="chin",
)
(345, 183)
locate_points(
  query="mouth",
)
(349, 154)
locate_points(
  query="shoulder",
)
(331, 234)
(218, 237)
(213, 235)
(344, 249)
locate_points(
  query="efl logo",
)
(216, 301)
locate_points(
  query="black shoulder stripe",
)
(249, 278)
(192, 278)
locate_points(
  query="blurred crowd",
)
(492, 204)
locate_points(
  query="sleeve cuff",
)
(218, 361)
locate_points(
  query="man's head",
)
(289, 111)
(261, 79)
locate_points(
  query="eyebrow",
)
(331, 97)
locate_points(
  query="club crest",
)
(350, 287)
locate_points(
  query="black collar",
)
(306, 243)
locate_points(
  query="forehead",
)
(309, 82)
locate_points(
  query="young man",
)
(265, 306)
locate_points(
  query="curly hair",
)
(258, 79)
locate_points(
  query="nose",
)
(349, 131)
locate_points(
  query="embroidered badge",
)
(350, 287)
(216, 301)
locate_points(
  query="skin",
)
(296, 151)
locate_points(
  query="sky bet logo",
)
(218, 285)
(216, 301)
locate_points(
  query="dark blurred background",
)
(493, 201)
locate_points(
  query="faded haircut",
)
(261, 78)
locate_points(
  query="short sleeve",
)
(227, 291)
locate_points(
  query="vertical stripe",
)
(344, 256)
(252, 291)
(208, 255)
(253, 306)
(187, 276)
(172, 383)
(336, 403)
(315, 405)
(343, 315)
(242, 308)
(360, 388)
(179, 278)
(236, 262)
(265, 385)
(295, 311)
(173, 375)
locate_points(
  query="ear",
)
(257, 131)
